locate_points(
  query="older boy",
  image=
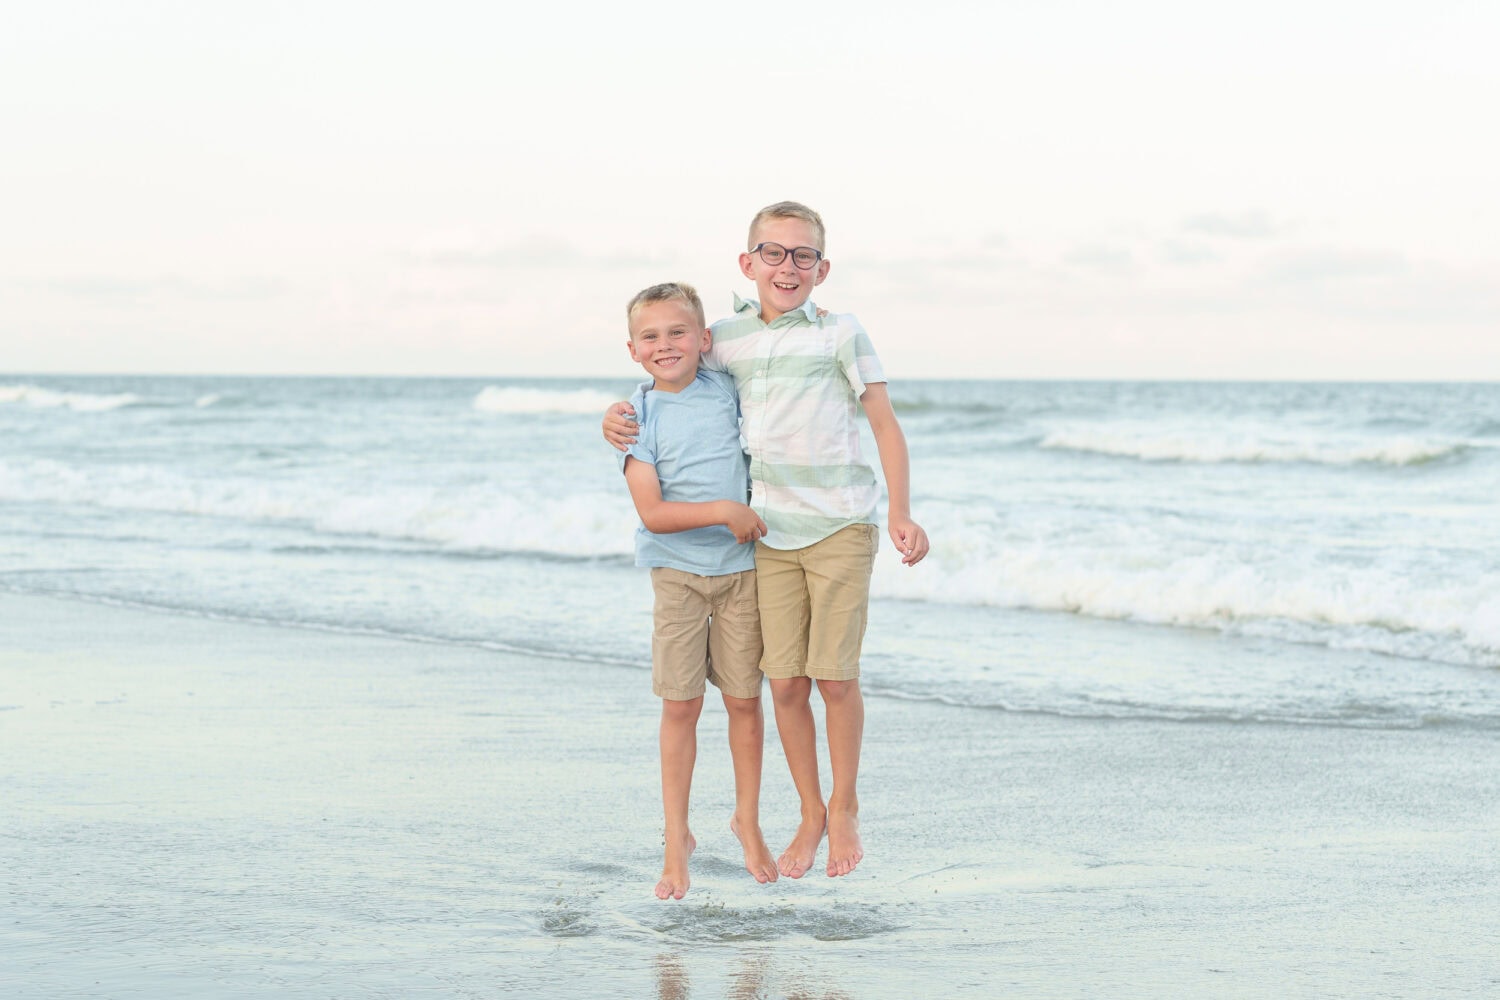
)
(687, 476)
(802, 379)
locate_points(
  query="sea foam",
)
(1277, 593)
(82, 402)
(512, 399)
(484, 519)
(1246, 447)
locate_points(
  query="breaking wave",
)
(512, 399)
(82, 402)
(1187, 446)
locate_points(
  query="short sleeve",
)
(856, 356)
(644, 448)
(722, 384)
(711, 360)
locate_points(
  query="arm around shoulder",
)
(619, 430)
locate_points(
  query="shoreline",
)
(199, 806)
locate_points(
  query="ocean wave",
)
(1289, 596)
(1429, 609)
(81, 402)
(1189, 447)
(478, 519)
(1351, 715)
(514, 399)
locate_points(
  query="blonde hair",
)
(789, 210)
(667, 291)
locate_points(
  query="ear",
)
(708, 340)
(747, 265)
(631, 345)
(822, 272)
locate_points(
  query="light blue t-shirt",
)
(693, 439)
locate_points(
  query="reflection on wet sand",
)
(671, 978)
(751, 979)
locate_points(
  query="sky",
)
(1012, 189)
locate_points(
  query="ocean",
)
(1287, 553)
(318, 687)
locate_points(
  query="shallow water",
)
(201, 808)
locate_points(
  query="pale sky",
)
(1012, 190)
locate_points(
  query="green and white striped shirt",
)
(799, 380)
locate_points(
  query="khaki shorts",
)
(814, 602)
(706, 627)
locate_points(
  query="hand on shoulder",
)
(618, 430)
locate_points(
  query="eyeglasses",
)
(805, 258)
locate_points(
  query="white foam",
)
(1250, 446)
(82, 402)
(481, 519)
(1391, 605)
(513, 399)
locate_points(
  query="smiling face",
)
(667, 338)
(783, 287)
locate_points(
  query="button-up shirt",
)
(799, 380)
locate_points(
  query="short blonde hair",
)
(667, 291)
(788, 210)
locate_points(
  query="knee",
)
(791, 692)
(683, 712)
(742, 708)
(838, 692)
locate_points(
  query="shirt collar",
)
(808, 310)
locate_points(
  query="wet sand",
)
(195, 808)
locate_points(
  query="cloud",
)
(1186, 254)
(1253, 225)
(1101, 259)
(537, 252)
(118, 290)
(1325, 264)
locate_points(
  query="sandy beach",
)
(201, 808)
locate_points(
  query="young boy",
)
(802, 379)
(687, 475)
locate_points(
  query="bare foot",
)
(674, 869)
(758, 860)
(845, 849)
(797, 860)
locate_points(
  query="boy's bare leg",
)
(799, 741)
(845, 707)
(679, 751)
(747, 737)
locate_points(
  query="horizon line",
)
(1227, 380)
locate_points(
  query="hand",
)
(619, 431)
(744, 523)
(910, 540)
